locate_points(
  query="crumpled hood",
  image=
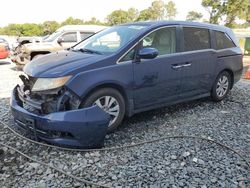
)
(61, 63)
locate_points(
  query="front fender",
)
(119, 74)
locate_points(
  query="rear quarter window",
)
(222, 41)
(196, 38)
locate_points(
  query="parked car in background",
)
(25, 40)
(11, 40)
(4, 51)
(125, 70)
(63, 38)
(4, 48)
(3, 41)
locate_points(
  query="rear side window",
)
(196, 38)
(69, 37)
(222, 41)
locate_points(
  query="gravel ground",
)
(9, 77)
(167, 163)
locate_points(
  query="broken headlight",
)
(43, 84)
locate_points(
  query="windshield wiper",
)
(85, 50)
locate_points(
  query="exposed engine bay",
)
(45, 102)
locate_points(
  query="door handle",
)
(186, 65)
(176, 66)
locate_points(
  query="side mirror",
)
(60, 40)
(148, 53)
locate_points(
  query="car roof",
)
(86, 28)
(184, 23)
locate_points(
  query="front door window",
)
(164, 40)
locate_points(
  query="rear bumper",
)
(83, 128)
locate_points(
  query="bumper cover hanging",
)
(81, 128)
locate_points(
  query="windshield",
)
(110, 40)
(53, 36)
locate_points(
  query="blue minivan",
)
(70, 95)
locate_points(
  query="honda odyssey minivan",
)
(126, 69)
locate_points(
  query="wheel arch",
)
(115, 86)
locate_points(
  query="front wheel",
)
(221, 86)
(111, 101)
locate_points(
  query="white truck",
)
(63, 38)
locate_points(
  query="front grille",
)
(30, 108)
(26, 102)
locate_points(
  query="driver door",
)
(157, 81)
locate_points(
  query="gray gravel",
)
(168, 163)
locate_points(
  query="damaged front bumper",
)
(82, 128)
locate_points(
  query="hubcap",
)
(109, 105)
(222, 86)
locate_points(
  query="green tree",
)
(49, 27)
(226, 10)
(247, 14)
(194, 16)
(32, 29)
(234, 9)
(94, 21)
(27, 29)
(133, 14)
(11, 29)
(72, 21)
(145, 15)
(117, 17)
(157, 10)
(170, 10)
(214, 9)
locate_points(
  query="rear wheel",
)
(221, 86)
(111, 101)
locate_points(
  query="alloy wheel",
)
(222, 86)
(110, 105)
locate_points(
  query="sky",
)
(33, 11)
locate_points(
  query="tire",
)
(102, 95)
(222, 86)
